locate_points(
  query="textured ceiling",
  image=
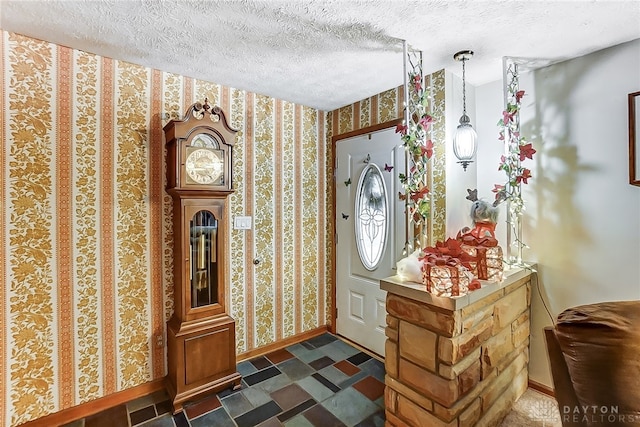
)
(324, 54)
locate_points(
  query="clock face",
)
(204, 166)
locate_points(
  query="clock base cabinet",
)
(202, 358)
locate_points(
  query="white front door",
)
(370, 232)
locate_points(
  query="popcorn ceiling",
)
(323, 54)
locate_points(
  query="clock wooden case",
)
(200, 334)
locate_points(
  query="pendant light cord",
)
(464, 90)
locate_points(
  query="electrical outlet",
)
(159, 341)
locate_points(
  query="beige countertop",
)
(418, 291)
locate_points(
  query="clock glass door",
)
(204, 264)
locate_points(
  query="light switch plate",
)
(242, 223)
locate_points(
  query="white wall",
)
(583, 218)
(457, 179)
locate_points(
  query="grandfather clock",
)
(200, 334)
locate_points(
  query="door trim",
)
(334, 141)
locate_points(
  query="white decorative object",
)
(410, 268)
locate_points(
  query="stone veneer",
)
(456, 361)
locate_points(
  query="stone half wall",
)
(462, 367)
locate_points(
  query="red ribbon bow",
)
(446, 253)
(487, 242)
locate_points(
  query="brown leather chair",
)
(594, 351)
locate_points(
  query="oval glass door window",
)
(371, 216)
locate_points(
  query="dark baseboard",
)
(87, 409)
(278, 345)
(84, 410)
(541, 388)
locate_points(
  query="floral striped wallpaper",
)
(388, 106)
(86, 224)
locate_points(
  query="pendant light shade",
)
(465, 137)
(464, 142)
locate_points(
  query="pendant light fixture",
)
(464, 139)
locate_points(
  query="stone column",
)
(456, 361)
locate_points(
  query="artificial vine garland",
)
(419, 147)
(517, 150)
(415, 140)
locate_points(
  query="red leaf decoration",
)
(419, 194)
(427, 149)
(425, 122)
(417, 82)
(526, 151)
(497, 188)
(526, 174)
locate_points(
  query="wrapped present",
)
(483, 229)
(445, 276)
(445, 271)
(486, 256)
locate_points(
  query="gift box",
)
(486, 256)
(445, 270)
(483, 229)
(445, 276)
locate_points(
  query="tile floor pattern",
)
(319, 382)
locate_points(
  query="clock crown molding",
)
(202, 115)
(187, 172)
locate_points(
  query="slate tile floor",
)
(319, 382)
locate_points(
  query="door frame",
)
(334, 142)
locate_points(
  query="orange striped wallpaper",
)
(86, 224)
